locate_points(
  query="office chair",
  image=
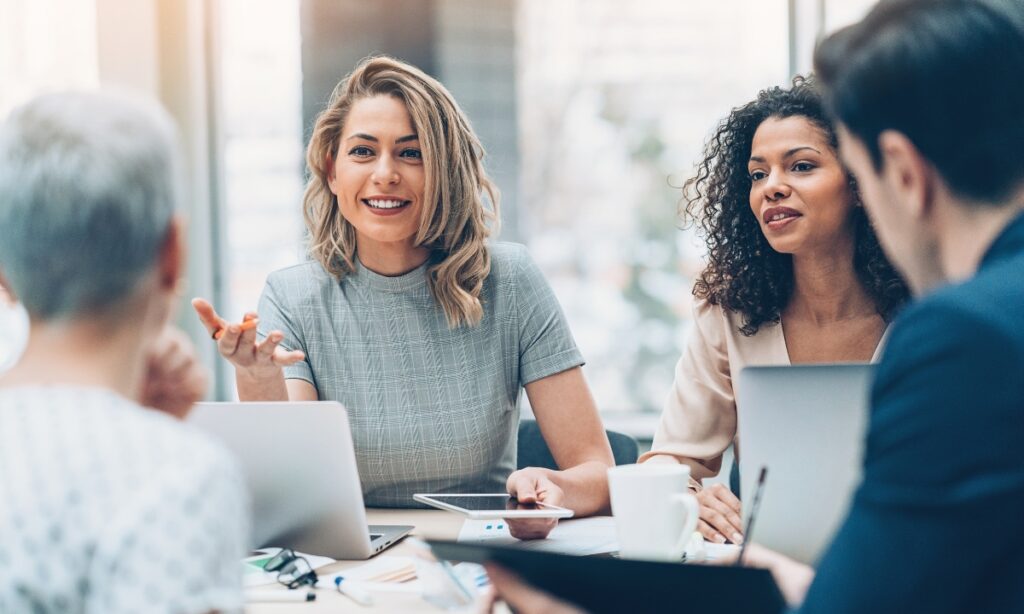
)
(534, 452)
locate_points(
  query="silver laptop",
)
(301, 471)
(806, 424)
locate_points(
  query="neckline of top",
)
(397, 283)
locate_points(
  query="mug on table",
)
(655, 513)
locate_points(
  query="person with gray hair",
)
(108, 505)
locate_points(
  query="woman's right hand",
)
(719, 515)
(240, 347)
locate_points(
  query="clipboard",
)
(602, 584)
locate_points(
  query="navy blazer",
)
(937, 525)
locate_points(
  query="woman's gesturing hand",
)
(237, 342)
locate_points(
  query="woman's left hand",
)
(532, 485)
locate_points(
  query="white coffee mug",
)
(655, 514)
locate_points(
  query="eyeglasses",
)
(292, 570)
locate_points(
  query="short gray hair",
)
(87, 194)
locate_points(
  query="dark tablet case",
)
(606, 584)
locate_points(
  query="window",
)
(840, 13)
(260, 91)
(30, 61)
(613, 102)
(616, 100)
(30, 64)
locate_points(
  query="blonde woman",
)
(407, 316)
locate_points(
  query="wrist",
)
(259, 374)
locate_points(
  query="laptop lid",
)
(806, 424)
(300, 466)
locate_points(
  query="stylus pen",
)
(753, 514)
(278, 596)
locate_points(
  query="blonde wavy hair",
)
(455, 220)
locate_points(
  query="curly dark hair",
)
(744, 274)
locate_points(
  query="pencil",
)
(247, 325)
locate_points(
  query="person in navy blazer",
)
(929, 97)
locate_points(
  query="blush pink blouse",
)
(699, 419)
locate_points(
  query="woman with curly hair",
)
(795, 275)
(426, 333)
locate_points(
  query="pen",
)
(758, 491)
(360, 596)
(279, 596)
(248, 324)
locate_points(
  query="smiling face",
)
(799, 192)
(378, 176)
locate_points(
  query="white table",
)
(435, 524)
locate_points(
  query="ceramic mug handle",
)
(689, 506)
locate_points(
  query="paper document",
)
(385, 569)
(582, 536)
(714, 552)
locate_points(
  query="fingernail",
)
(737, 538)
(719, 538)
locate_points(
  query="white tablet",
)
(492, 506)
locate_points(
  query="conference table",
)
(432, 524)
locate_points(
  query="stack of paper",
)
(382, 569)
(582, 536)
(392, 574)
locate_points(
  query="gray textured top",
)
(432, 409)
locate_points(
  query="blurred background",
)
(593, 113)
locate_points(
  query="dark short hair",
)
(948, 74)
